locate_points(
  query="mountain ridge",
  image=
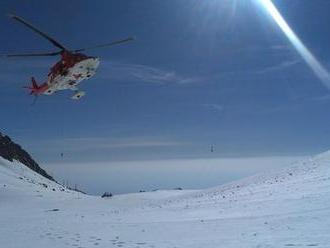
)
(11, 151)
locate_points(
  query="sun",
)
(307, 55)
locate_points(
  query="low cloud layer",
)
(82, 144)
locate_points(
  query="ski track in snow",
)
(287, 208)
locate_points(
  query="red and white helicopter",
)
(73, 68)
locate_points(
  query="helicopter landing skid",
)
(78, 95)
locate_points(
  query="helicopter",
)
(72, 68)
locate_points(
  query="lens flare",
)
(310, 59)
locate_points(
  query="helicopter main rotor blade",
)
(33, 54)
(54, 42)
(105, 45)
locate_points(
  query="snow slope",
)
(288, 208)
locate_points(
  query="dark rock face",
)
(11, 151)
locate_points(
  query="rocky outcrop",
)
(12, 151)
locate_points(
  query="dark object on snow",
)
(106, 194)
(45, 185)
(12, 151)
(53, 210)
(76, 189)
(179, 188)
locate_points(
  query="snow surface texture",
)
(289, 208)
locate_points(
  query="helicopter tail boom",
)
(35, 88)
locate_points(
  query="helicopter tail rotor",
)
(33, 87)
(36, 89)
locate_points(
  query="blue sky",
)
(200, 73)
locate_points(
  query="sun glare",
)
(310, 59)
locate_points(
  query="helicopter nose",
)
(92, 66)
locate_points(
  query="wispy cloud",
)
(283, 65)
(213, 106)
(276, 48)
(281, 47)
(144, 73)
(323, 98)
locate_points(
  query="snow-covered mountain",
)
(11, 151)
(287, 208)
